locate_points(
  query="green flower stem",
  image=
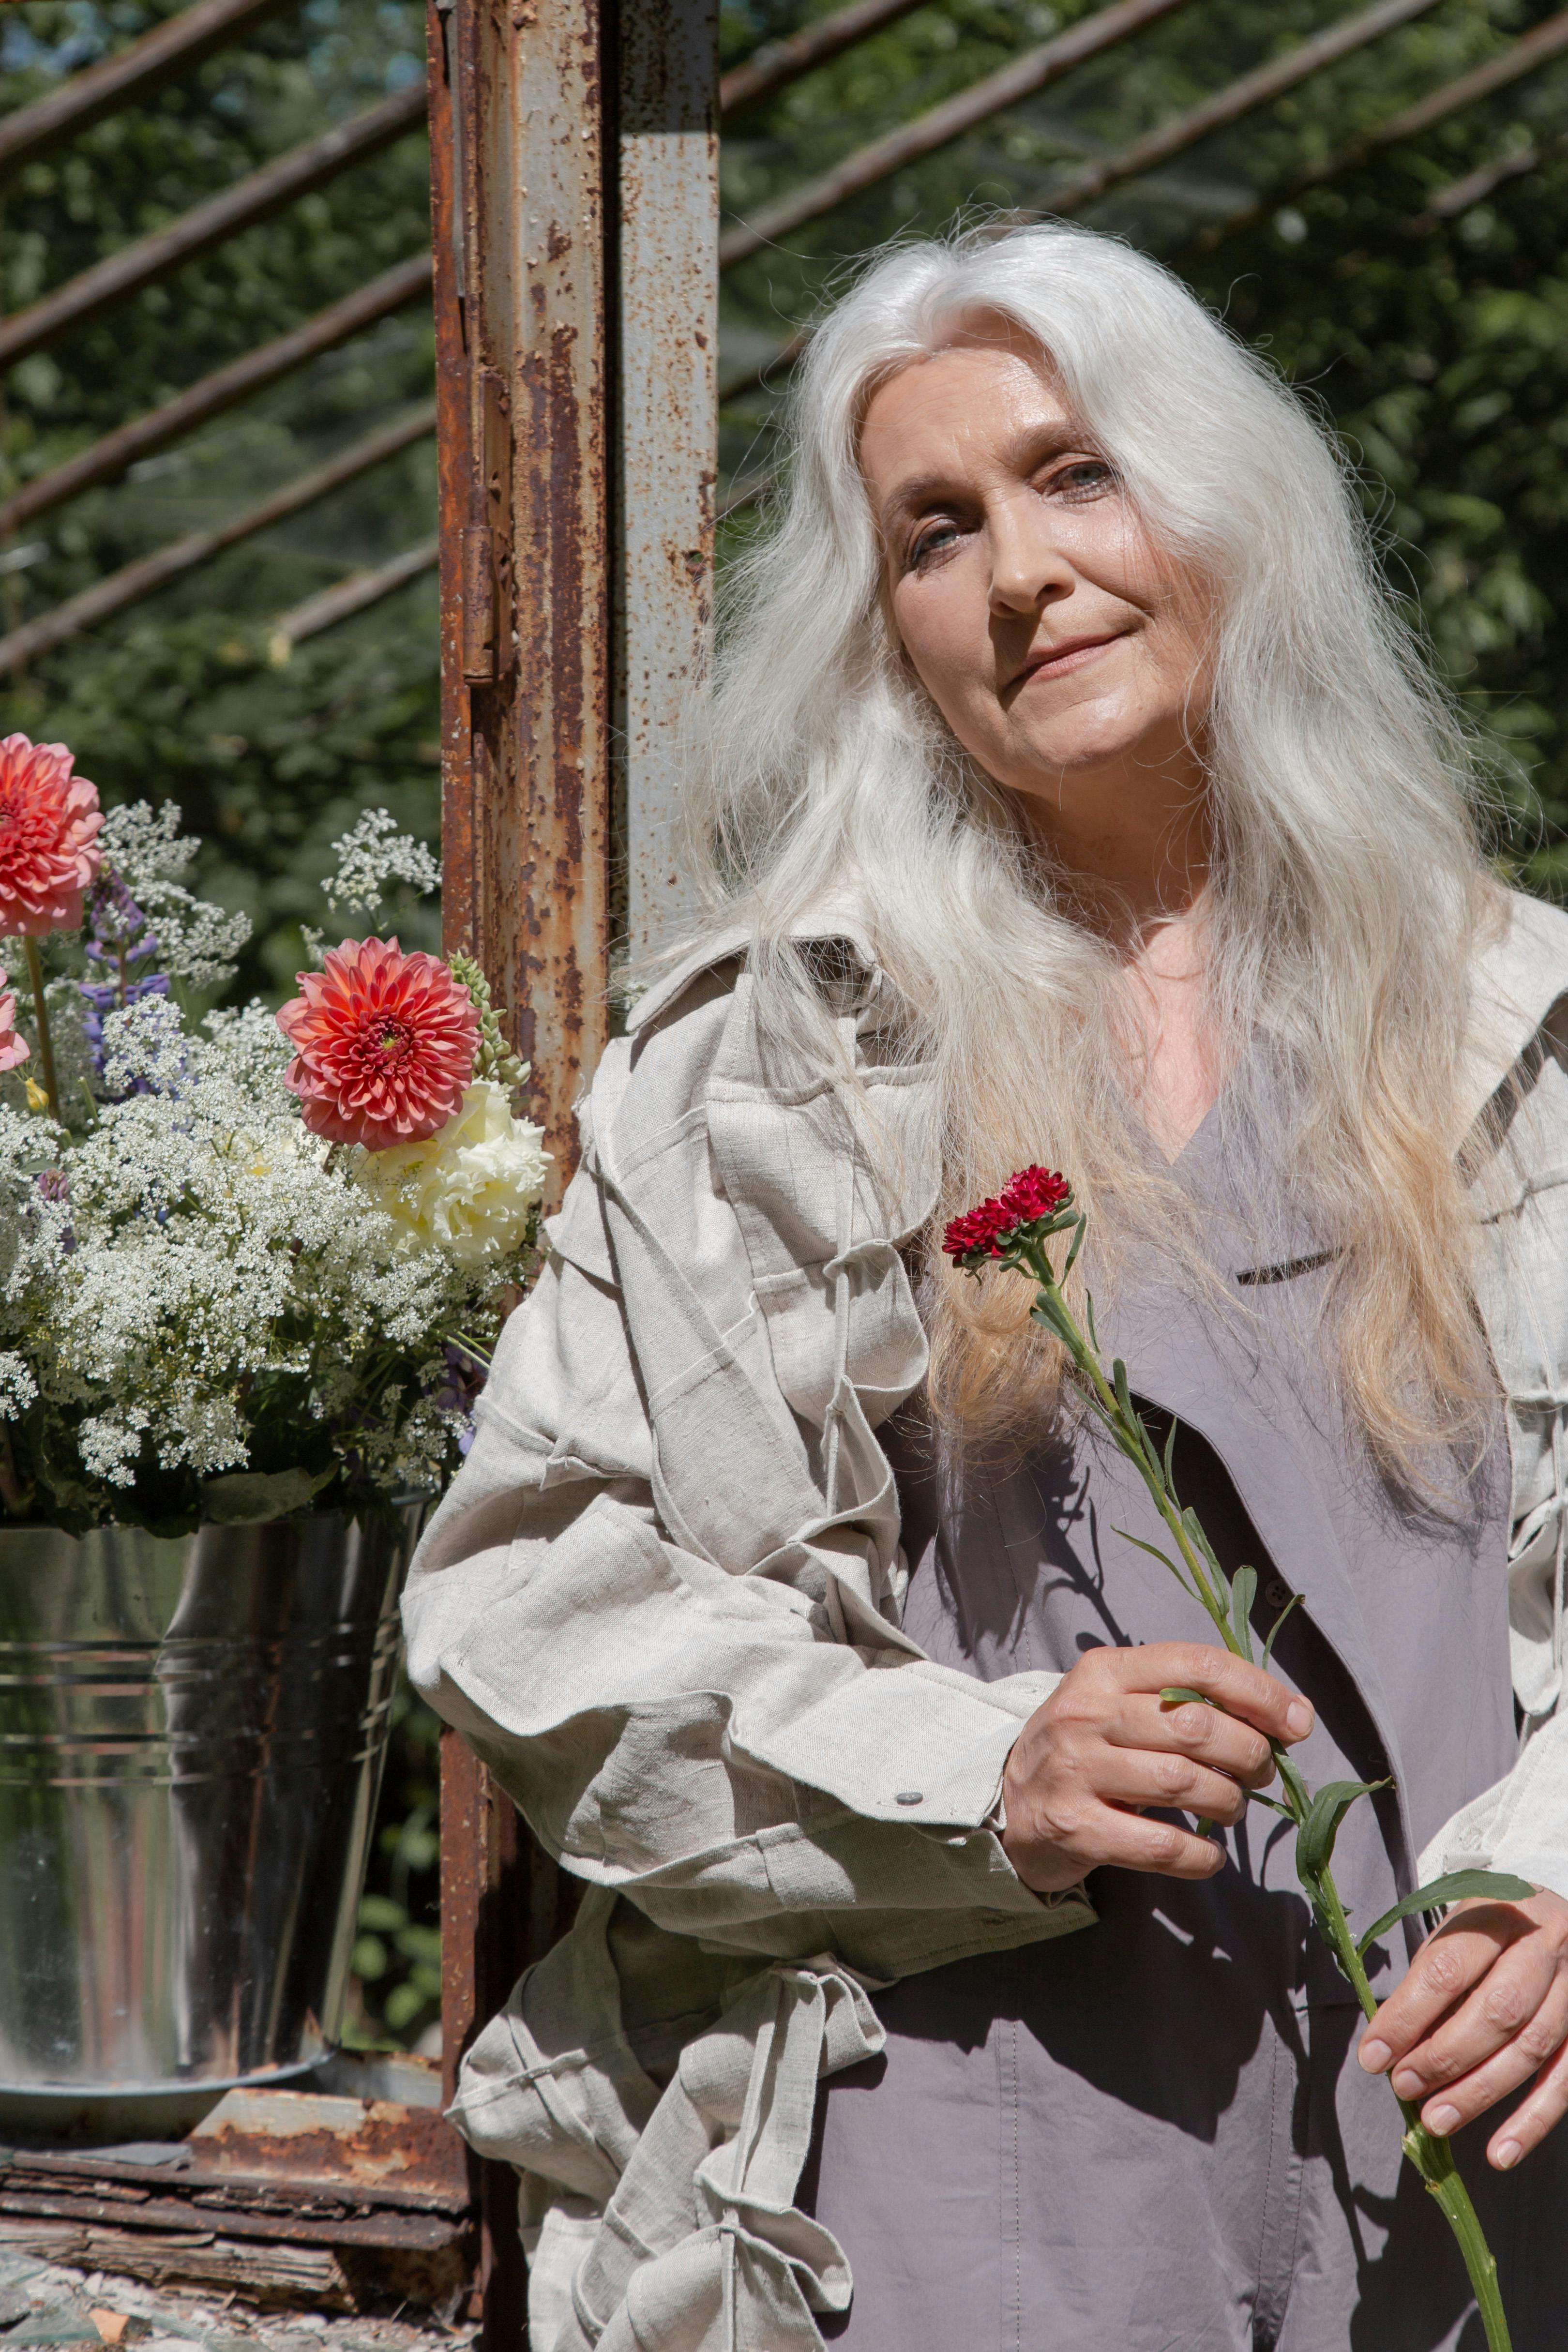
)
(1430, 2154)
(41, 1020)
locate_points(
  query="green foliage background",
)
(1440, 357)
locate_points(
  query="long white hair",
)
(1348, 885)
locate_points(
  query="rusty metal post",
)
(523, 172)
(667, 452)
(520, 180)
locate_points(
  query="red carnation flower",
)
(386, 1045)
(977, 1234)
(49, 820)
(1032, 1193)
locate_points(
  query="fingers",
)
(1169, 1780)
(1517, 1989)
(1465, 2097)
(1202, 1732)
(1102, 1835)
(1442, 1975)
(1247, 1692)
(1534, 2117)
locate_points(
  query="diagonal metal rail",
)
(255, 198)
(134, 581)
(1265, 82)
(778, 63)
(225, 388)
(1033, 71)
(1525, 56)
(1460, 194)
(132, 73)
(355, 595)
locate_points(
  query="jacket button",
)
(1277, 1593)
(909, 1797)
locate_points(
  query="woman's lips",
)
(1075, 654)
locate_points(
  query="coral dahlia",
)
(49, 821)
(385, 1044)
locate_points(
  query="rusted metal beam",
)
(1525, 56)
(525, 390)
(214, 395)
(1035, 71)
(128, 77)
(1241, 97)
(143, 578)
(255, 198)
(778, 63)
(667, 237)
(346, 598)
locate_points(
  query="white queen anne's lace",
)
(198, 1274)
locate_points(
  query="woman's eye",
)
(1084, 479)
(934, 541)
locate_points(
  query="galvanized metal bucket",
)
(192, 1733)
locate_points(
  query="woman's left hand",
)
(1484, 2007)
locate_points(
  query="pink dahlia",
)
(13, 1049)
(50, 823)
(386, 1044)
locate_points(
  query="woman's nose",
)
(1028, 569)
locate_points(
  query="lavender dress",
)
(1152, 2135)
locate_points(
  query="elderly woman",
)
(1075, 794)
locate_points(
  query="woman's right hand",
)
(1104, 1749)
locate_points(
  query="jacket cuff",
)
(911, 1742)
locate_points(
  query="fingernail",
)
(1506, 2155)
(1375, 2055)
(1441, 2119)
(1299, 1718)
(1407, 2084)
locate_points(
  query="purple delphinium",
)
(465, 1377)
(120, 945)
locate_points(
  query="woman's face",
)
(1067, 658)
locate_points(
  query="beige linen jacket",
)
(663, 1597)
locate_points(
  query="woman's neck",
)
(1134, 866)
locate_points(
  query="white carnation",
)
(471, 1191)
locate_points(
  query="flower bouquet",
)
(249, 1263)
(1015, 1231)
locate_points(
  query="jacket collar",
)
(1520, 973)
(839, 918)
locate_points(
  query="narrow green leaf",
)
(1081, 1228)
(1256, 1797)
(1273, 1630)
(1088, 1319)
(1501, 1884)
(1194, 1527)
(1170, 1456)
(1315, 1838)
(1118, 1383)
(1175, 1696)
(1154, 1552)
(1243, 1590)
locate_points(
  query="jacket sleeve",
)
(731, 1732)
(1522, 1823)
